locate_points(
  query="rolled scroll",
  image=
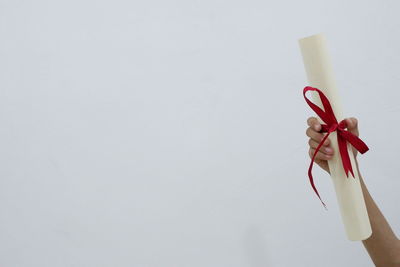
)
(348, 189)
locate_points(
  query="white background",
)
(171, 133)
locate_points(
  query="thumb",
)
(352, 125)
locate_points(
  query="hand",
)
(326, 152)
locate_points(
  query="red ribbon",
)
(343, 136)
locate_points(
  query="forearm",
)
(383, 246)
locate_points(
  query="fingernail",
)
(328, 150)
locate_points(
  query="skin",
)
(383, 246)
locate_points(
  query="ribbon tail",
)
(355, 141)
(311, 166)
(344, 153)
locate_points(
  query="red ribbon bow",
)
(332, 125)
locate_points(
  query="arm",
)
(383, 246)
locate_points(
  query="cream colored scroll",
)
(348, 190)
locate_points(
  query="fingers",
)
(316, 136)
(314, 123)
(326, 152)
(320, 155)
(324, 149)
(352, 125)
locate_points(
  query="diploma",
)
(348, 189)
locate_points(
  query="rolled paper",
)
(348, 190)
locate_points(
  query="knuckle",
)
(310, 142)
(311, 120)
(320, 156)
(308, 132)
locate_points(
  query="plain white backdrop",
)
(172, 133)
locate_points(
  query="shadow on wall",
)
(255, 245)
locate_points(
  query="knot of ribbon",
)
(331, 125)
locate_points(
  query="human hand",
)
(326, 152)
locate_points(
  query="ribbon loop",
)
(331, 125)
